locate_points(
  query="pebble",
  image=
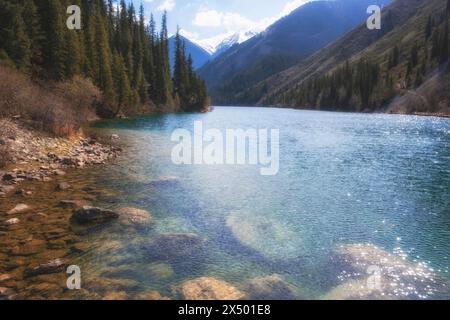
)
(20, 208)
(11, 222)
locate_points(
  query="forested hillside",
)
(127, 59)
(402, 68)
(291, 39)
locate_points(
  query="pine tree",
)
(414, 55)
(429, 28)
(35, 34)
(164, 77)
(443, 57)
(21, 50)
(104, 80)
(54, 47)
(121, 83)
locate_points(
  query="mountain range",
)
(288, 41)
(202, 53)
(402, 68)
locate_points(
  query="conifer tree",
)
(54, 45)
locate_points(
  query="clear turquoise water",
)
(343, 179)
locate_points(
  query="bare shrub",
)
(83, 96)
(5, 134)
(59, 108)
(5, 156)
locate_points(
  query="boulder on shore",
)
(207, 288)
(87, 215)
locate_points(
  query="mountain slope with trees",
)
(289, 40)
(115, 49)
(402, 68)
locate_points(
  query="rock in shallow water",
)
(269, 288)
(165, 181)
(135, 217)
(113, 295)
(150, 296)
(11, 222)
(73, 204)
(373, 273)
(5, 277)
(207, 288)
(268, 236)
(53, 266)
(5, 292)
(30, 248)
(20, 208)
(87, 215)
(63, 186)
(175, 245)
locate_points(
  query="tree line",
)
(127, 58)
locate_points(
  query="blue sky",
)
(208, 21)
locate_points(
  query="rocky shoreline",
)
(35, 156)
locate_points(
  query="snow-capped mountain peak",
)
(223, 42)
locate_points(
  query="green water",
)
(344, 179)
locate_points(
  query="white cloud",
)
(233, 22)
(208, 18)
(167, 5)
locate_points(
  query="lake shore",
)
(32, 155)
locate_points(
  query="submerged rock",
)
(370, 272)
(59, 172)
(9, 176)
(105, 285)
(269, 288)
(165, 181)
(73, 204)
(113, 295)
(354, 290)
(11, 222)
(207, 288)
(135, 217)
(87, 214)
(7, 189)
(175, 245)
(5, 277)
(269, 237)
(150, 296)
(30, 248)
(63, 186)
(160, 270)
(5, 292)
(53, 266)
(20, 208)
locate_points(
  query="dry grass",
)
(5, 152)
(59, 108)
